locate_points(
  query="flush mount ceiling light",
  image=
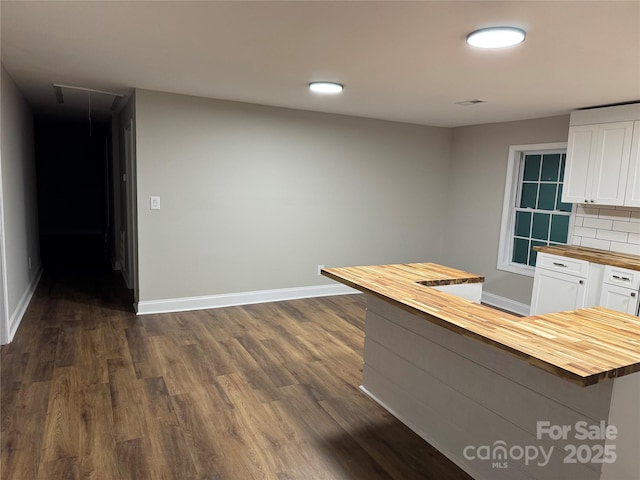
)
(325, 87)
(496, 37)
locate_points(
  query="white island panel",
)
(469, 400)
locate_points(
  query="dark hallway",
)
(73, 194)
(73, 161)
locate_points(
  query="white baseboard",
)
(506, 304)
(241, 298)
(16, 317)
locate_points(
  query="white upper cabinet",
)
(611, 164)
(602, 167)
(581, 148)
(598, 163)
(632, 195)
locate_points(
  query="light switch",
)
(155, 203)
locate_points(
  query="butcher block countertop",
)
(584, 346)
(594, 255)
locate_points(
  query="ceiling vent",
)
(468, 103)
(117, 97)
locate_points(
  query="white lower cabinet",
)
(563, 283)
(619, 299)
(555, 291)
(559, 284)
(620, 289)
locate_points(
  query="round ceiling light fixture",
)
(325, 87)
(496, 37)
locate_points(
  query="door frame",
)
(4, 285)
(130, 222)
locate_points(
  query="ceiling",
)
(402, 61)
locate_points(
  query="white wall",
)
(254, 198)
(19, 204)
(476, 191)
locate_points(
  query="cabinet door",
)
(598, 163)
(632, 195)
(556, 292)
(619, 299)
(611, 163)
(581, 148)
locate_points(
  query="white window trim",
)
(508, 212)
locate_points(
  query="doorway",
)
(78, 206)
(72, 197)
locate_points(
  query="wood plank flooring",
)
(269, 391)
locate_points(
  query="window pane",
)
(550, 166)
(540, 226)
(533, 254)
(563, 207)
(523, 224)
(529, 195)
(531, 168)
(547, 198)
(520, 250)
(537, 217)
(559, 228)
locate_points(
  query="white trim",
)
(131, 221)
(616, 113)
(133, 233)
(513, 268)
(505, 303)
(242, 298)
(510, 191)
(4, 281)
(23, 304)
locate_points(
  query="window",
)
(533, 213)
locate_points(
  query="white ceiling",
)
(404, 61)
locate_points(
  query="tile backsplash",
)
(616, 229)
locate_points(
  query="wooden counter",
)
(583, 346)
(594, 255)
(475, 382)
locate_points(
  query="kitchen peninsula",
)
(504, 397)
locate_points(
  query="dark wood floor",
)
(270, 391)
